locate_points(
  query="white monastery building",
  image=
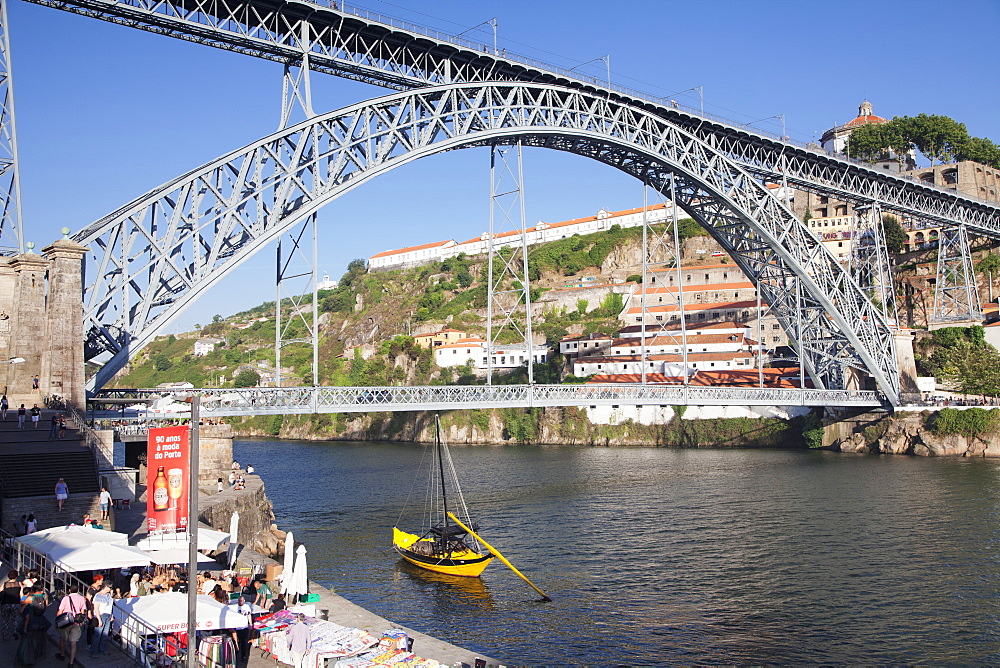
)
(540, 233)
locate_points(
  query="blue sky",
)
(106, 113)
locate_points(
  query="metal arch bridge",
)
(157, 254)
(308, 400)
(176, 241)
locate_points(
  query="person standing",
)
(75, 604)
(4, 405)
(10, 605)
(21, 414)
(54, 427)
(62, 426)
(299, 639)
(105, 501)
(243, 635)
(62, 492)
(36, 414)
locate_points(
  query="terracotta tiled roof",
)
(654, 329)
(866, 120)
(702, 339)
(699, 288)
(725, 377)
(695, 308)
(411, 248)
(664, 357)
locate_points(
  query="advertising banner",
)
(167, 480)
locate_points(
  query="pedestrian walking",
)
(62, 492)
(33, 626)
(299, 639)
(103, 604)
(34, 385)
(36, 414)
(70, 629)
(54, 427)
(22, 413)
(105, 501)
(4, 405)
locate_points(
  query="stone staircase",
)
(46, 513)
(30, 465)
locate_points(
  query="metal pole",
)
(489, 270)
(192, 593)
(645, 279)
(279, 273)
(315, 309)
(525, 277)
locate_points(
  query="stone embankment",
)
(903, 434)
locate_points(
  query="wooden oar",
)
(499, 556)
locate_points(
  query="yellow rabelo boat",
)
(443, 546)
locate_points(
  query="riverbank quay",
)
(330, 606)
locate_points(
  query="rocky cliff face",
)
(257, 529)
(907, 435)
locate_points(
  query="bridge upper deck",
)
(365, 46)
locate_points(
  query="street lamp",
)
(491, 22)
(605, 59)
(701, 96)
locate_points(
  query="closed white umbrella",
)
(300, 577)
(234, 527)
(286, 571)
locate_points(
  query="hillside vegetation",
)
(381, 309)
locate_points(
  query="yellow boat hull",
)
(464, 563)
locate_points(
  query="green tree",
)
(937, 137)
(247, 378)
(895, 235)
(981, 150)
(634, 278)
(989, 266)
(161, 362)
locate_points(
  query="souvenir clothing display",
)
(329, 640)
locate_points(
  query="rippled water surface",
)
(657, 555)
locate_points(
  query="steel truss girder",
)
(869, 260)
(382, 51)
(154, 256)
(305, 400)
(508, 288)
(956, 297)
(11, 230)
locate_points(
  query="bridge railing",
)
(605, 84)
(287, 400)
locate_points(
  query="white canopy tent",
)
(209, 540)
(98, 556)
(179, 555)
(71, 535)
(167, 613)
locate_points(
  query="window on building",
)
(701, 316)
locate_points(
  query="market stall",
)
(329, 640)
(158, 623)
(97, 556)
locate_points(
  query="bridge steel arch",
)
(152, 258)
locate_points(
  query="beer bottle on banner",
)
(160, 494)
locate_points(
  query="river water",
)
(655, 555)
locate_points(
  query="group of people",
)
(257, 593)
(22, 413)
(23, 603)
(58, 427)
(236, 479)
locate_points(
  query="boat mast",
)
(444, 491)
